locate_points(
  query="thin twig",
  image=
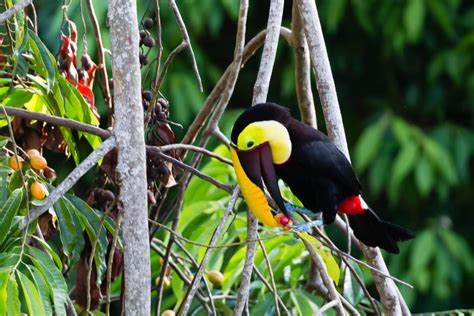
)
(13, 9)
(178, 271)
(270, 272)
(302, 70)
(92, 255)
(259, 95)
(102, 67)
(166, 257)
(244, 288)
(58, 121)
(206, 284)
(156, 88)
(196, 148)
(260, 89)
(158, 40)
(188, 168)
(184, 307)
(325, 307)
(211, 100)
(70, 180)
(118, 223)
(387, 289)
(167, 64)
(332, 293)
(271, 289)
(184, 33)
(195, 243)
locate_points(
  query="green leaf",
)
(71, 236)
(31, 295)
(334, 12)
(305, 302)
(43, 289)
(402, 131)
(50, 251)
(368, 146)
(91, 221)
(352, 290)
(46, 62)
(413, 19)
(8, 212)
(53, 277)
(424, 249)
(424, 176)
(331, 264)
(4, 276)
(378, 172)
(4, 140)
(441, 159)
(403, 164)
(13, 297)
(440, 14)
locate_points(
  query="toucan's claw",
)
(307, 227)
(291, 208)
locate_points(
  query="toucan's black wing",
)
(315, 152)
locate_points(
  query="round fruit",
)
(168, 312)
(148, 23)
(143, 59)
(14, 163)
(148, 41)
(166, 282)
(147, 95)
(38, 191)
(216, 277)
(32, 152)
(38, 162)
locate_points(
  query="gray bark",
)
(386, 287)
(131, 155)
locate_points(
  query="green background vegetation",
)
(404, 72)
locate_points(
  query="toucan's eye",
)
(250, 144)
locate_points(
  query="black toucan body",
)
(267, 144)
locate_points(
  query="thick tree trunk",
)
(131, 154)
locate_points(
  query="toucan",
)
(269, 144)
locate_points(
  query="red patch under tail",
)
(353, 205)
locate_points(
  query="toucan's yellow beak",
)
(250, 167)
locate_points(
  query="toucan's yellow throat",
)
(273, 132)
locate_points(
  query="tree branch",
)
(13, 10)
(260, 93)
(184, 307)
(332, 293)
(302, 70)
(260, 89)
(70, 180)
(58, 121)
(184, 33)
(131, 166)
(332, 114)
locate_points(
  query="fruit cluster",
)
(146, 39)
(36, 162)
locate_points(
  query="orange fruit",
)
(38, 162)
(15, 164)
(168, 312)
(38, 191)
(216, 277)
(166, 282)
(32, 153)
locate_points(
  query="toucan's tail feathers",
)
(375, 232)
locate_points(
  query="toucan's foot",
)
(307, 227)
(291, 208)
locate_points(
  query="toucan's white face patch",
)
(272, 132)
